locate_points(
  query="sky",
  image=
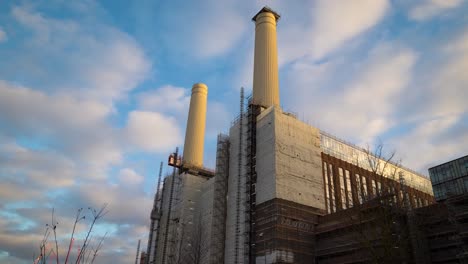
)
(95, 94)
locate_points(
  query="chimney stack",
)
(265, 79)
(195, 133)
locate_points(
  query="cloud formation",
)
(93, 61)
(62, 141)
(427, 9)
(152, 131)
(336, 22)
(362, 104)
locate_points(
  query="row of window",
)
(448, 188)
(362, 191)
(360, 158)
(448, 171)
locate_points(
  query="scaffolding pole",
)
(219, 201)
(455, 209)
(169, 210)
(239, 185)
(138, 251)
(154, 227)
(251, 180)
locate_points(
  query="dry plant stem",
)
(79, 256)
(77, 219)
(54, 227)
(98, 248)
(96, 216)
(42, 256)
(87, 253)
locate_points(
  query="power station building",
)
(281, 191)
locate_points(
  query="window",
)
(342, 187)
(325, 176)
(364, 185)
(348, 188)
(358, 188)
(374, 188)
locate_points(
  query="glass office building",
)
(450, 178)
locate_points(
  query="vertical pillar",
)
(195, 132)
(265, 79)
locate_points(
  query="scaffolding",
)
(417, 245)
(239, 184)
(251, 180)
(169, 211)
(155, 222)
(219, 201)
(138, 252)
(457, 216)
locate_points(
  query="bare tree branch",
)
(77, 219)
(96, 216)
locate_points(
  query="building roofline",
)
(450, 161)
(372, 153)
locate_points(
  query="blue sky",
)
(94, 94)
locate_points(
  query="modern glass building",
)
(450, 178)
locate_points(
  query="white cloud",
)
(44, 28)
(427, 9)
(439, 110)
(42, 170)
(449, 87)
(219, 29)
(3, 35)
(93, 61)
(130, 177)
(120, 197)
(215, 28)
(73, 127)
(152, 131)
(336, 22)
(58, 141)
(168, 98)
(370, 100)
(420, 149)
(361, 106)
(175, 101)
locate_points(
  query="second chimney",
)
(265, 79)
(195, 132)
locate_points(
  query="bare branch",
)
(96, 216)
(77, 219)
(98, 248)
(54, 227)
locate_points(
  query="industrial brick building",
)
(282, 190)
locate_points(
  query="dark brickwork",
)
(285, 232)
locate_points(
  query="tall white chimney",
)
(265, 79)
(195, 132)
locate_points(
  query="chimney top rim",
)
(200, 85)
(266, 9)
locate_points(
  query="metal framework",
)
(138, 252)
(219, 201)
(154, 226)
(169, 211)
(239, 184)
(251, 180)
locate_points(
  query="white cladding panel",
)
(289, 164)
